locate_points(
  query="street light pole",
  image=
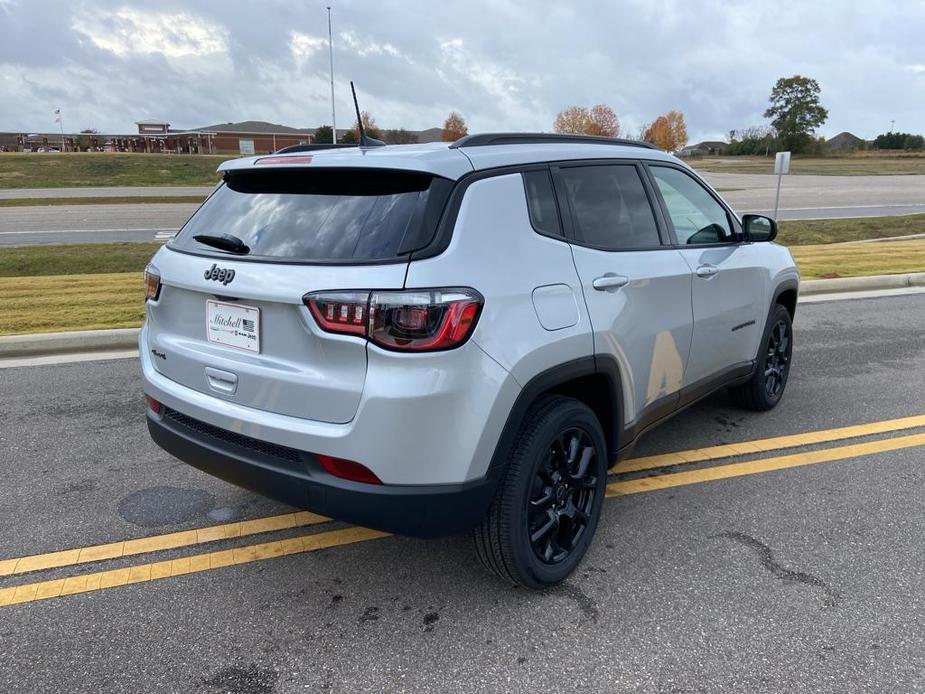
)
(331, 55)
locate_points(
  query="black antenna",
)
(364, 140)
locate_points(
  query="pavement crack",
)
(776, 569)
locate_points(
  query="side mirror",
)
(759, 228)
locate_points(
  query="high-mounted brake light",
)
(152, 283)
(419, 320)
(295, 159)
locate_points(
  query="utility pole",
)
(331, 55)
(892, 125)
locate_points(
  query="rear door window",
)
(338, 215)
(610, 208)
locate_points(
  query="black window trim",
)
(552, 185)
(735, 224)
(665, 242)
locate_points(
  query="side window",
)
(541, 202)
(610, 208)
(696, 215)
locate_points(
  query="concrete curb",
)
(127, 338)
(862, 284)
(70, 342)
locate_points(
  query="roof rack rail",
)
(485, 139)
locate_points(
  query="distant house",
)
(705, 148)
(845, 142)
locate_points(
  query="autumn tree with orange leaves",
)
(454, 128)
(597, 120)
(668, 132)
(369, 127)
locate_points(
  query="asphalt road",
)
(802, 197)
(805, 579)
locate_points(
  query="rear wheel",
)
(548, 504)
(766, 386)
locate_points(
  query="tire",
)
(766, 386)
(548, 503)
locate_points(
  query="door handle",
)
(222, 381)
(610, 281)
(707, 271)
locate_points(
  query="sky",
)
(503, 64)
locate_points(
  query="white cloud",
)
(127, 31)
(304, 46)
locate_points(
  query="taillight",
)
(152, 283)
(417, 320)
(340, 312)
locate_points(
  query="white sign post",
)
(781, 167)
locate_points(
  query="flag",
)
(57, 115)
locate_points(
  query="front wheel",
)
(548, 504)
(766, 386)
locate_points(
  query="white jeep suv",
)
(430, 339)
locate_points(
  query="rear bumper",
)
(295, 478)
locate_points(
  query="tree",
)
(597, 120)
(893, 140)
(369, 126)
(454, 128)
(796, 111)
(324, 135)
(668, 132)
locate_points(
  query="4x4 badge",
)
(219, 274)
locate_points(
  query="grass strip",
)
(829, 261)
(75, 259)
(860, 165)
(98, 169)
(102, 200)
(815, 231)
(70, 302)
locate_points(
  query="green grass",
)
(92, 169)
(816, 231)
(76, 259)
(857, 165)
(102, 200)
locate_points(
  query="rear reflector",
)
(348, 470)
(153, 404)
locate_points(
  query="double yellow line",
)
(311, 542)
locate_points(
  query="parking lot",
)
(774, 565)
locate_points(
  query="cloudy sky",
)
(503, 64)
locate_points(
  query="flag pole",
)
(331, 55)
(61, 124)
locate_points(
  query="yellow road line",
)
(143, 573)
(156, 543)
(698, 455)
(718, 472)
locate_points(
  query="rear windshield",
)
(336, 215)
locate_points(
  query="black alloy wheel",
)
(562, 496)
(777, 361)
